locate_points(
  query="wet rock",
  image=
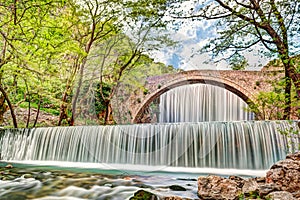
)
(142, 185)
(173, 198)
(144, 195)
(267, 188)
(177, 188)
(9, 166)
(14, 196)
(285, 174)
(187, 179)
(280, 195)
(216, 187)
(27, 176)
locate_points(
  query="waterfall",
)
(240, 145)
(201, 102)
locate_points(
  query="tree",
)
(270, 105)
(133, 82)
(120, 36)
(246, 24)
(116, 56)
(238, 62)
(21, 30)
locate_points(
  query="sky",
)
(191, 36)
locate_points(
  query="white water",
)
(202, 102)
(253, 145)
(143, 169)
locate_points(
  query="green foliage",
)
(292, 132)
(135, 80)
(271, 27)
(250, 195)
(53, 111)
(49, 49)
(100, 103)
(238, 62)
(145, 91)
(270, 105)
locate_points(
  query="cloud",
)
(191, 36)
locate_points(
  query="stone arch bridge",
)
(245, 84)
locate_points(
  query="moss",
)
(143, 195)
(145, 91)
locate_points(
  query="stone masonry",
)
(245, 84)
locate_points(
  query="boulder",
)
(144, 195)
(177, 188)
(280, 195)
(285, 175)
(216, 187)
(250, 185)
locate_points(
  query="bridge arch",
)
(211, 80)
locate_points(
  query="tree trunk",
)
(62, 113)
(3, 108)
(76, 96)
(108, 111)
(29, 104)
(290, 75)
(63, 107)
(37, 113)
(287, 94)
(12, 112)
(295, 77)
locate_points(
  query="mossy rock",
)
(14, 196)
(177, 188)
(143, 195)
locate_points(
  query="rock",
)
(250, 185)
(173, 198)
(281, 182)
(27, 176)
(13, 196)
(285, 174)
(260, 179)
(9, 166)
(267, 188)
(216, 187)
(280, 195)
(144, 195)
(177, 188)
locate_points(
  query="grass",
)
(51, 111)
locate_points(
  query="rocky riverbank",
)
(282, 182)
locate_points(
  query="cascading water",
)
(201, 102)
(240, 145)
